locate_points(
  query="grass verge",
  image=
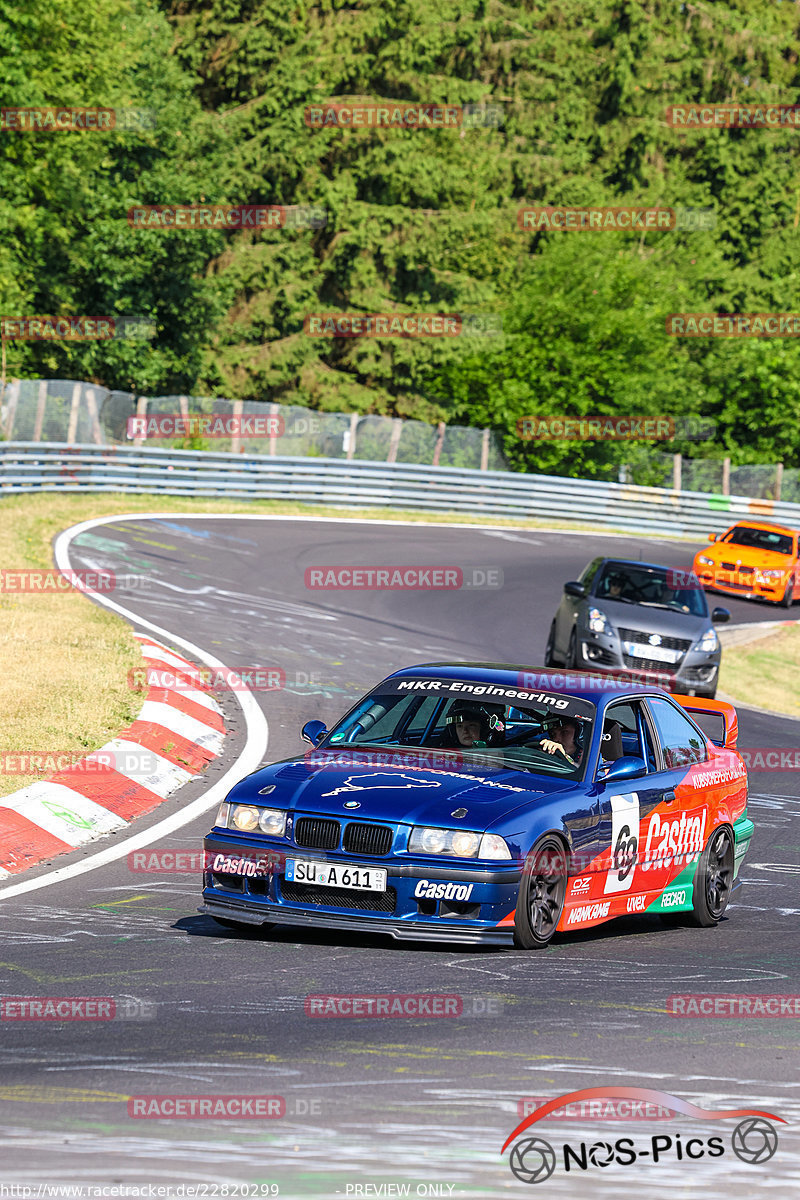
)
(765, 672)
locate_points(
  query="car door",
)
(568, 609)
(678, 828)
(625, 807)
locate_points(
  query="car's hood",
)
(409, 791)
(653, 620)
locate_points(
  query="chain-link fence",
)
(761, 481)
(58, 410)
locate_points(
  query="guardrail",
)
(56, 467)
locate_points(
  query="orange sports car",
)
(752, 559)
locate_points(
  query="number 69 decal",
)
(624, 842)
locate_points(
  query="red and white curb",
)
(178, 732)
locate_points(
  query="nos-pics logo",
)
(533, 1159)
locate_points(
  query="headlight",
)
(598, 621)
(703, 558)
(273, 821)
(709, 641)
(493, 846)
(459, 843)
(222, 815)
(244, 817)
(249, 819)
(769, 576)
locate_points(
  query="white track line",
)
(257, 732)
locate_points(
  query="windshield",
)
(652, 587)
(759, 539)
(491, 724)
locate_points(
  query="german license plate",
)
(659, 653)
(339, 875)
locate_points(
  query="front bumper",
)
(324, 919)
(696, 674)
(747, 585)
(405, 911)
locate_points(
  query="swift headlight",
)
(709, 641)
(249, 819)
(598, 621)
(705, 560)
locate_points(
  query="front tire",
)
(714, 878)
(572, 652)
(787, 600)
(542, 890)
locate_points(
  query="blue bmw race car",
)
(486, 803)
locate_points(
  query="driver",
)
(562, 738)
(615, 586)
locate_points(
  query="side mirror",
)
(575, 589)
(720, 615)
(314, 732)
(712, 537)
(627, 767)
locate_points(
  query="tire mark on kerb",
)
(256, 740)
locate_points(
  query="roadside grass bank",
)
(765, 672)
(65, 661)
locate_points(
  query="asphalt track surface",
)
(422, 1104)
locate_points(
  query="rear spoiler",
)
(698, 706)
